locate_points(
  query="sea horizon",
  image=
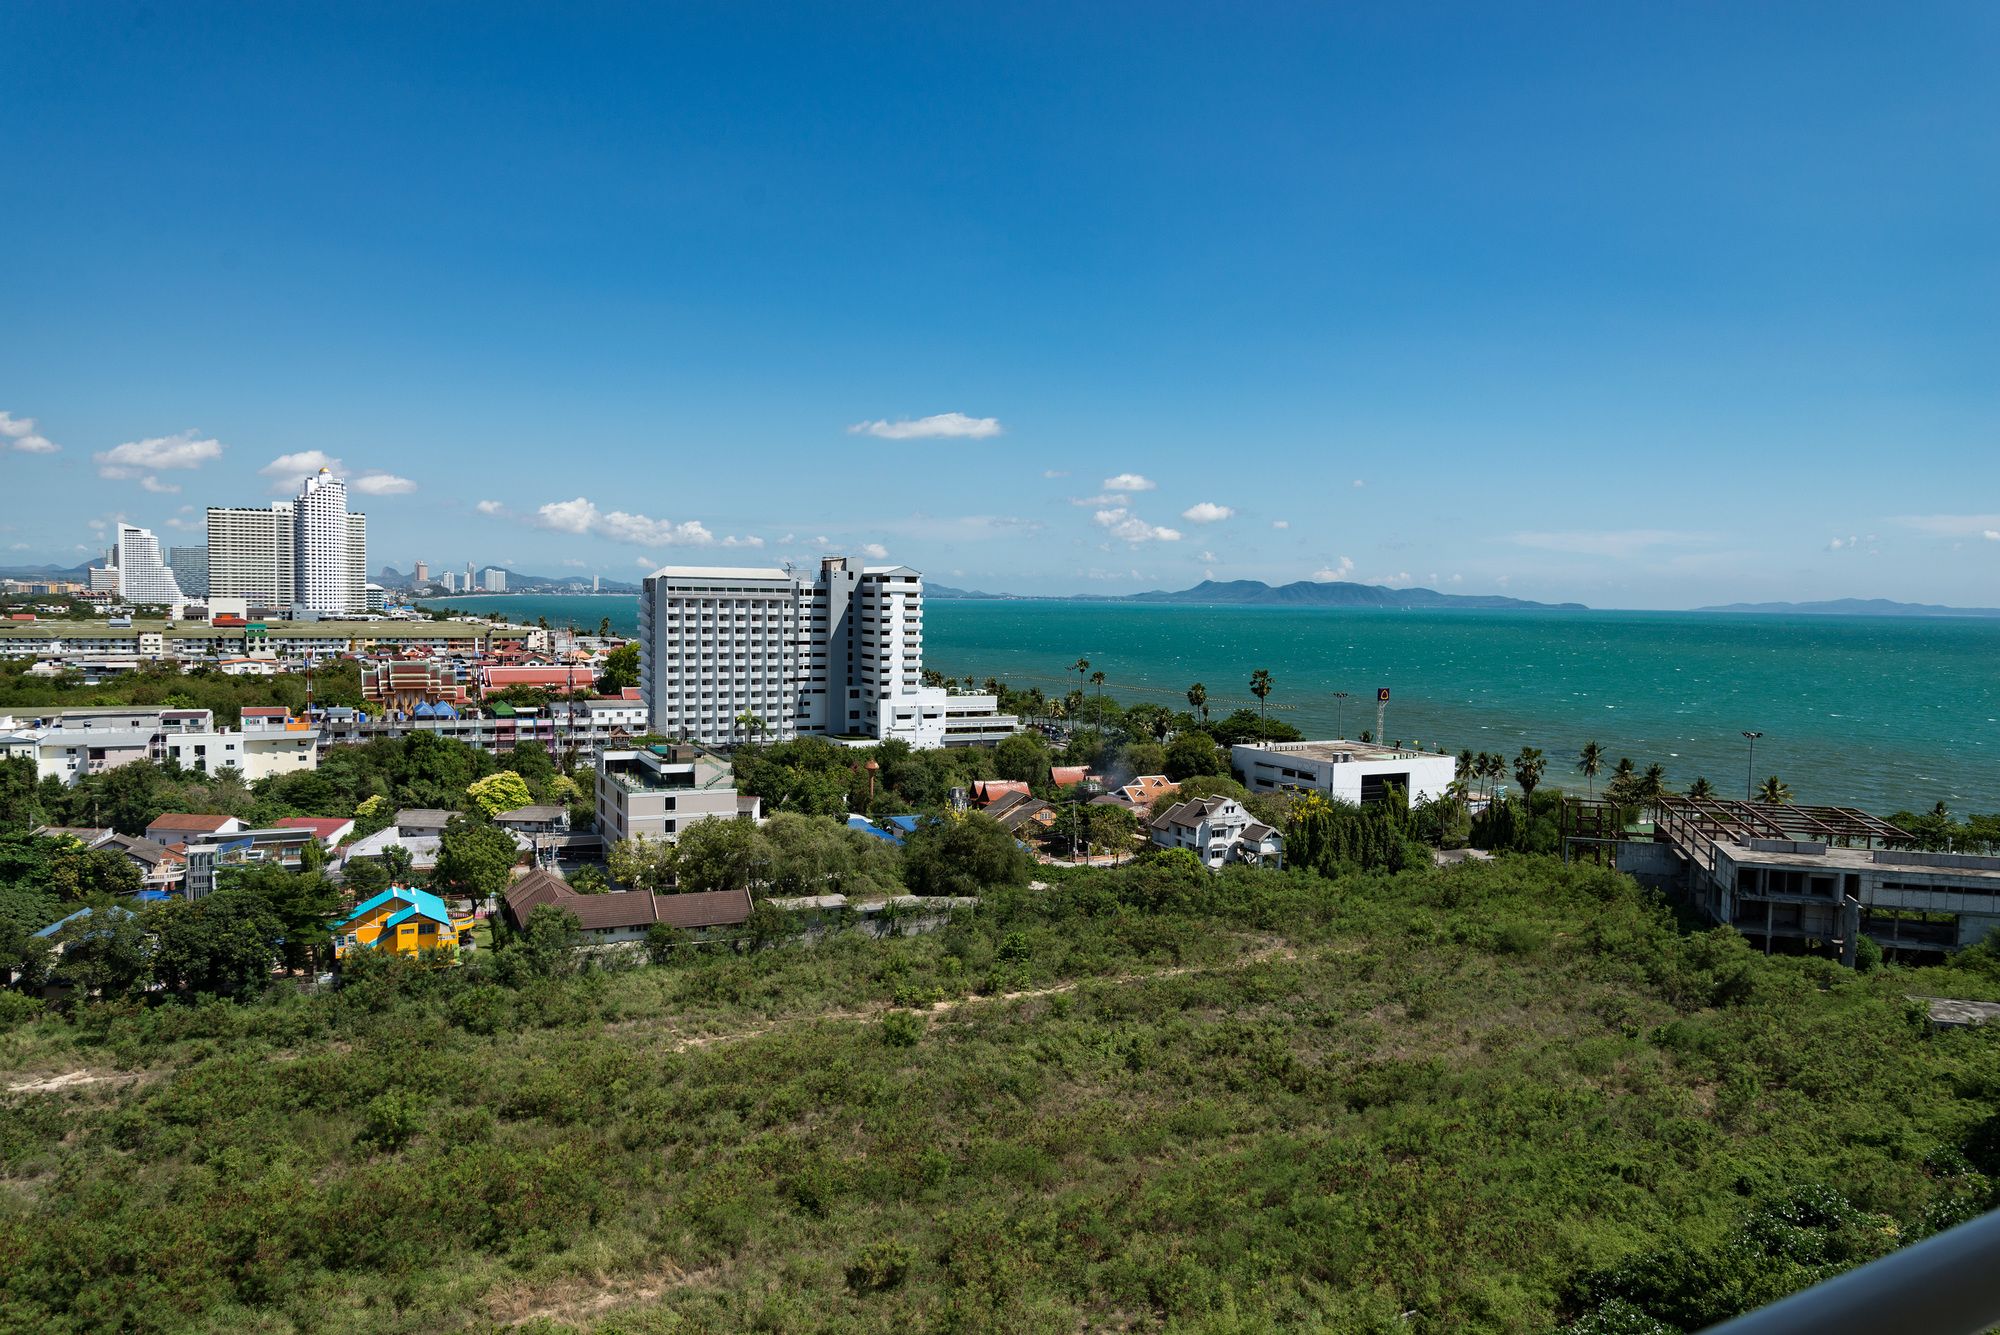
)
(1880, 713)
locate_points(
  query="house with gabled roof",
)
(1217, 830)
(625, 917)
(403, 920)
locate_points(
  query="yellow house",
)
(403, 920)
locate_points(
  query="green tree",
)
(400, 863)
(365, 878)
(640, 863)
(224, 944)
(588, 880)
(1260, 686)
(621, 670)
(304, 902)
(1529, 766)
(1194, 753)
(546, 945)
(1023, 757)
(531, 761)
(971, 854)
(475, 859)
(499, 792)
(720, 854)
(1701, 788)
(1589, 761)
(105, 953)
(1774, 791)
(20, 803)
(1197, 698)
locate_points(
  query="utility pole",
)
(1339, 700)
(1381, 708)
(1750, 770)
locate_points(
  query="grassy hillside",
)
(1500, 1098)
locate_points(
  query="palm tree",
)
(1260, 686)
(1198, 700)
(1589, 761)
(1528, 768)
(1492, 766)
(1466, 764)
(1653, 784)
(1097, 680)
(1774, 791)
(1701, 788)
(1081, 668)
(1037, 702)
(604, 628)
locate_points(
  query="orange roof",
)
(181, 820)
(1065, 775)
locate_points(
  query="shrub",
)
(902, 1029)
(880, 1266)
(389, 1120)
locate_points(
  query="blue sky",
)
(1645, 307)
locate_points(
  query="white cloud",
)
(575, 516)
(1055, 472)
(1207, 556)
(383, 484)
(154, 484)
(289, 466)
(1207, 512)
(1328, 574)
(1130, 482)
(573, 563)
(580, 516)
(1855, 544)
(1991, 535)
(1613, 543)
(937, 425)
(1951, 526)
(489, 507)
(19, 434)
(1281, 523)
(1129, 527)
(137, 457)
(184, 524)
(874, 550)
(1359, 483)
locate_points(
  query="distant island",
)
(1300, 593)
(1855, 607)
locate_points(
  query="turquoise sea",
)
(1877, 713)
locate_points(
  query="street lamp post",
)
(1750, 770)
(1339, 700)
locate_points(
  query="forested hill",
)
(1300, 593)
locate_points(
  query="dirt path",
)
(69, 1080)
(1255, 957)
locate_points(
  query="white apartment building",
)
(73, 743)
(250, 554)
(142, 576)
(269, 742)
(840, 656)
(1351, 772)
(494, 581)
(310, 552)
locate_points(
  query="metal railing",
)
(1944, 1285)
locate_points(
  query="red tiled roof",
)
(324, 828)
(717, 908)
(1065, 775)
(266, 711)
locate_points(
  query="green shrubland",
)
(1507, 1097)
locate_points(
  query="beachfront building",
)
(656, 792)
(1350, 772)
(730, 654)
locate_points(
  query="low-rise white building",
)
(1218, 830)
(269, 742)
(1351, 772)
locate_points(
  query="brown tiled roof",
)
(636, 908)
(536, 812)
(174, 820)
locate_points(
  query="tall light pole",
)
(1750, 770)
(1339, 701)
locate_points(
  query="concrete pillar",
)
(1850, 929)
(1769, 922)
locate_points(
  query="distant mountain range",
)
(518, 582)
(1302, 593)
(1856, 607)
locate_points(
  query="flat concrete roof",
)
(1856, 859)
(1337, 750)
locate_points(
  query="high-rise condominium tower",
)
(134, 571)
(731, 654)
(309, 552)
